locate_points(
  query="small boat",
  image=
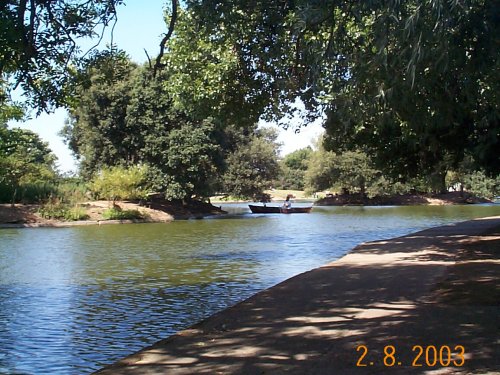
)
(278, 210)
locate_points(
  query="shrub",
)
(70, 192)
(481, 185)
(57, 209)
(117, 214)
(121, 183)
(28, 193)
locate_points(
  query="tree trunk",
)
(13, 202)
(362, 189)
(438, 182)
(442, 183)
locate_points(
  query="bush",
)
(28, 193)
(385, 187)
(57, 209)
(481, 185)
(118, 214)
(67, 191)
(121, 183)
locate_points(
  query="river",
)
(75, 299)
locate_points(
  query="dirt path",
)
(436, 288)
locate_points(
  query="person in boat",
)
(288, 203)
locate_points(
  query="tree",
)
(347, 172)
(253, 166)
(293, 168)
(24, 158)
(38, 43)
(414, 84)
(123, 116)
(321, 171)
(259, 35)
(481, 185)
(206, 76)
(187, 161)
(98, 132)
(9, 110)
(425, 104)
(354, 172)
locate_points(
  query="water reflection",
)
(75, 299)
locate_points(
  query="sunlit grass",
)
(282, 194)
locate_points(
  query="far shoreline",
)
(416, 199)
(26, 216)
(441, 199)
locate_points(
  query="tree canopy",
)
(97, 130)
(413, 83)
(293, 168)
(24, 158)
(253, 166)
(38, 43)
(121, 116)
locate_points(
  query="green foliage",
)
(206, 77)
(354, 171)
(118, 214)
(21, 141)
(121, 183)
(479, 184)
(29, 193)
(293, 169)
(64, 201)
(38, 44)
(298, 159)
(24, 160)
(57, 209)
(290, 179)
(347, 172)
(188, 162)
(413, 84)
(321, 171)
(97, 131)
(66, 190)
(253, 166)
(124, 117)
(383, 186)
(9, 110)
(264, 46)
(71, 190)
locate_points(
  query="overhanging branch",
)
(163, 43)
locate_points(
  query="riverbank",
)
(435, 290)
(450, 198)
(327, 199)
(158, 211)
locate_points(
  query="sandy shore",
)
(159, 211)
(437, 289)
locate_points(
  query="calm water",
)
(75, 299)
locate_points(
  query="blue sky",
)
(140, 26)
